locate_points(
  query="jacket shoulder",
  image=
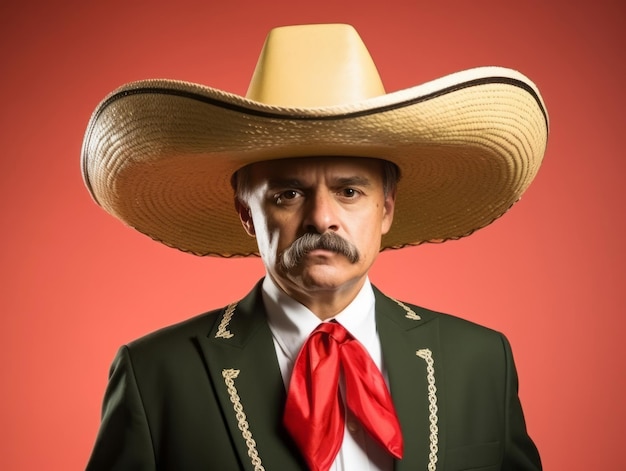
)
(446, 320)
(172, 338)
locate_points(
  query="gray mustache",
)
(311, 241)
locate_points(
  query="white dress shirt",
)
(291, 324)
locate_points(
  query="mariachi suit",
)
(207, 394)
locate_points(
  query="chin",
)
(325, 278)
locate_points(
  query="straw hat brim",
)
(159, 154)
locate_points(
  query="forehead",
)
(314, 167)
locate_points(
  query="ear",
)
(388, 208)
(245, 216)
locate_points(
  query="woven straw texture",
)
(159, 154)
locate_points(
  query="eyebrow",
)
(288, 182)
(354, 181)
(284, 183)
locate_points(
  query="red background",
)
(76, 283)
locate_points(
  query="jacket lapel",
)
(410, 344)
(241, 361)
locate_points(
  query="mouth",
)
(321, 253)
(322, 250)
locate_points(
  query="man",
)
(315, 368)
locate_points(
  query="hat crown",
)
(311, 66)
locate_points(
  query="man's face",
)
(288, 199)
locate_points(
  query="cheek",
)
(368, 232)
(275, 232)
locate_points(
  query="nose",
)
(321, 213)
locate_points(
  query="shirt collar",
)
(291, 322)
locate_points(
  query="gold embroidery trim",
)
(427, 355)
(410, 313)
(242, 422)
(222, 329)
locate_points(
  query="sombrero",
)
(159, 154)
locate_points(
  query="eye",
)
(286, 196)
(349, 193)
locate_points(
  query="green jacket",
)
(207, 394)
